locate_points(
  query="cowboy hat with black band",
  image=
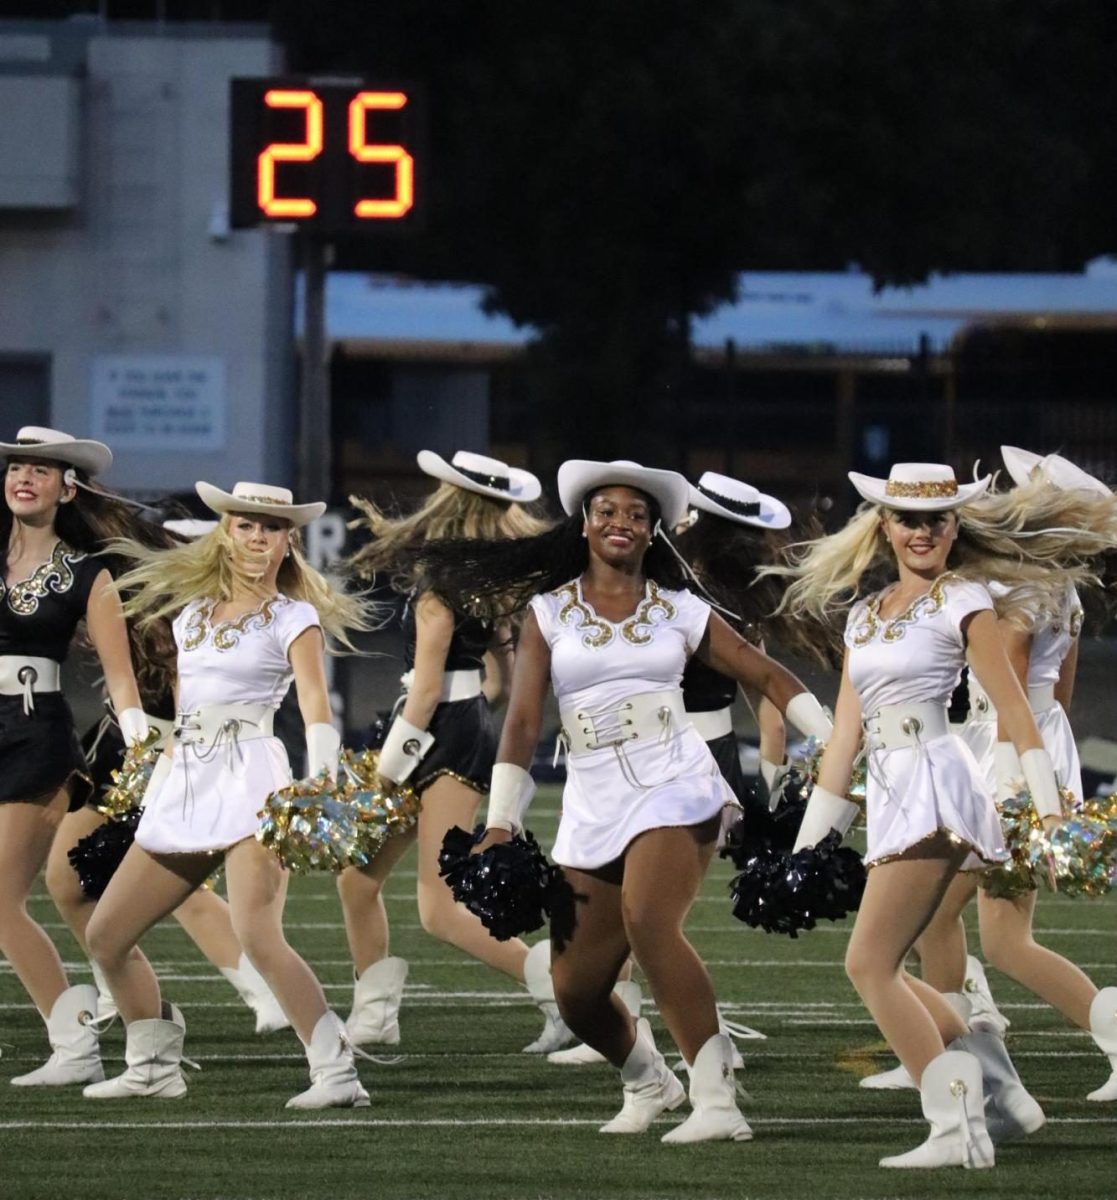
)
(259, 498)
(577, 477)
(36, 441)
(918, 487)
(483, 475)
(724, 496)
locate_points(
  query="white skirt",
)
(1058, 740)
(913, 792)
(209, 804)
(614, 794)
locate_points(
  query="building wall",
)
(143, 265)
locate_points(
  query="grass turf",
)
(464, 1114)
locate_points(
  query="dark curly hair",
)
(498, 579)
(726, 556)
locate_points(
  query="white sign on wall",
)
(159, 401)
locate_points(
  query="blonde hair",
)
(450, 513)
(1033, 540)
(216, 567)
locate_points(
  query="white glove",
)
(323, 745)
(825, 811)
(809, 717)
(133, 725)
(159, 774)
(1039, 774)
(403, 749)
(509, 796)
(1009, 772)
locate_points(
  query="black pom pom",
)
(510, 887)
(97, 856)
(759, 828)
(781, 892)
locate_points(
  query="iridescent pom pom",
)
(317, 825)
(1019, 824)
(130, 780)
(781, 892)
(858, 778)
(97, 856)
(510, 887)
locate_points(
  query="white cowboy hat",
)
(483, 475)
(38, 442)
(1054, 469)
(259, 498)
(727, 497)
(669, 489)
(188, 527)
(919, 487)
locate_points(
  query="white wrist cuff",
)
(769, 772)
(133, 725)
(1039, 774)
(1009, 772)
(323, 745)
(809, 717)
(509, 796)
(825, 811)
(403, 750)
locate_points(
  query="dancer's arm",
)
(104, 618)
(500, 658)
(511, 783)
(726, 651)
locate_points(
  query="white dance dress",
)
(915, 791)
(212, 796)
(615, 793)
(1052, 639)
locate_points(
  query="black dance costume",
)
(39, 750)
(463, 730)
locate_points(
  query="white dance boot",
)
(76, 1056)
(153, 1058)
(537, 978)
(628, 991)
(715, 1116)
(106, 1005)
(253, 989)
(650, 1086)
(984, 1011)
(953, 1103)
(333, 1075)
(1103, 1028)
(1010, 1111)
(377, 994)
(897, 1079)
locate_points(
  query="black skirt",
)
(40, 752)
(464, 746)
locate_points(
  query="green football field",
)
(465, 1114)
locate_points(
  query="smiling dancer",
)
(930, 813)
(610, 627)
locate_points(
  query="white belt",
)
(21, 676)
(639, 717)
(896, 725)
(456, 685)
(213, 723)
(713, 724)
(1041, 697)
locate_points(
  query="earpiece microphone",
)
(70, 477)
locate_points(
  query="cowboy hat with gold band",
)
(1025, 466)
(35, 441)
(724, 496)
(263, 498)
(668, 489)
(481, 474)
(919, 487)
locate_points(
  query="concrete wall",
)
(143, 269)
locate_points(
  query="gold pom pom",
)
(130, 780)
